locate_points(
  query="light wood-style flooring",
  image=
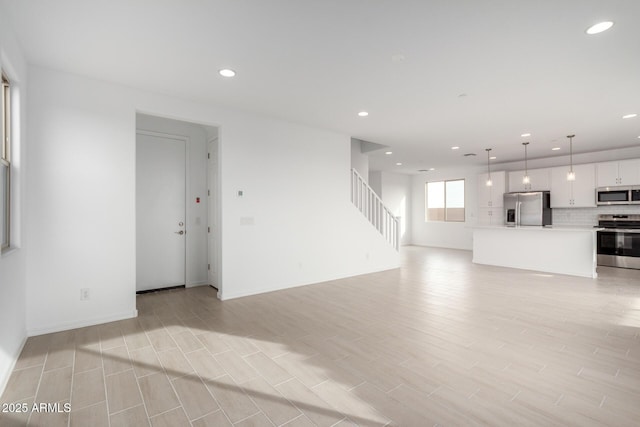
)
(440, 341)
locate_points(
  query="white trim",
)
(198, 283)
(162, 134)
(214, 195)
(65, 326)
(4, 376)
(219, 220)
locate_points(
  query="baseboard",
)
(65, 326)
(168, 288)
(198, 283)
(4, 376)
(421, 245)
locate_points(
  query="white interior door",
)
(160, 211)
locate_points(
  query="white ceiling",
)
(525, 66)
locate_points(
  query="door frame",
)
(217, 194)
(218, 190)
(187, 182)
(213, 213)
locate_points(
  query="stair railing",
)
(371, 206)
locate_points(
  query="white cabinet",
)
(607, 174)
(561, 194)
(573, 194)
(624, 172)
(491, 216)
(584, 187)
(491, 197)
(540, 180)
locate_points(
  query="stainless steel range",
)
(619, 242)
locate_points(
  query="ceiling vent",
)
(470, 155)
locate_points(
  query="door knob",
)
(179, 232)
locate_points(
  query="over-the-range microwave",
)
(618, 195)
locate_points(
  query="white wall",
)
(359, 160)
(396, 194)
(12, 264)
(375, 182)
(299, 224)
(81, 202)
(305, 228)
(196, 215)
(457, 235)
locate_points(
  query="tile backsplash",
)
(589, 216)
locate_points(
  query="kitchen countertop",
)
(540, 228)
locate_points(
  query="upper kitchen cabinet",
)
(491, 197)
(539, 180)
(573, 194)
(624, 172)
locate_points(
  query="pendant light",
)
(525, 178)
(571, 175)
(489, 182)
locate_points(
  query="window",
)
(5, 167)
(445, 201)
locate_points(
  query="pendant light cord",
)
(488, 166)
(525, 179)
(571, 176)
(570, 152)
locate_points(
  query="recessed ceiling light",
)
(599, 27)
(226, 72)
(388, 152)
(398, 164)
(629, 116)
(555, 148)
(432, 169)
(455, 148)
(524, 135)
(363, 114)
(492, 157)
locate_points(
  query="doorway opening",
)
(176, 238)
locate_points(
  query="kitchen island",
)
(560, 249)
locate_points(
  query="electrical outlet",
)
(84, 294)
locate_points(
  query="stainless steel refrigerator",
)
(532, 208)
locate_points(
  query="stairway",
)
(371, 206)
